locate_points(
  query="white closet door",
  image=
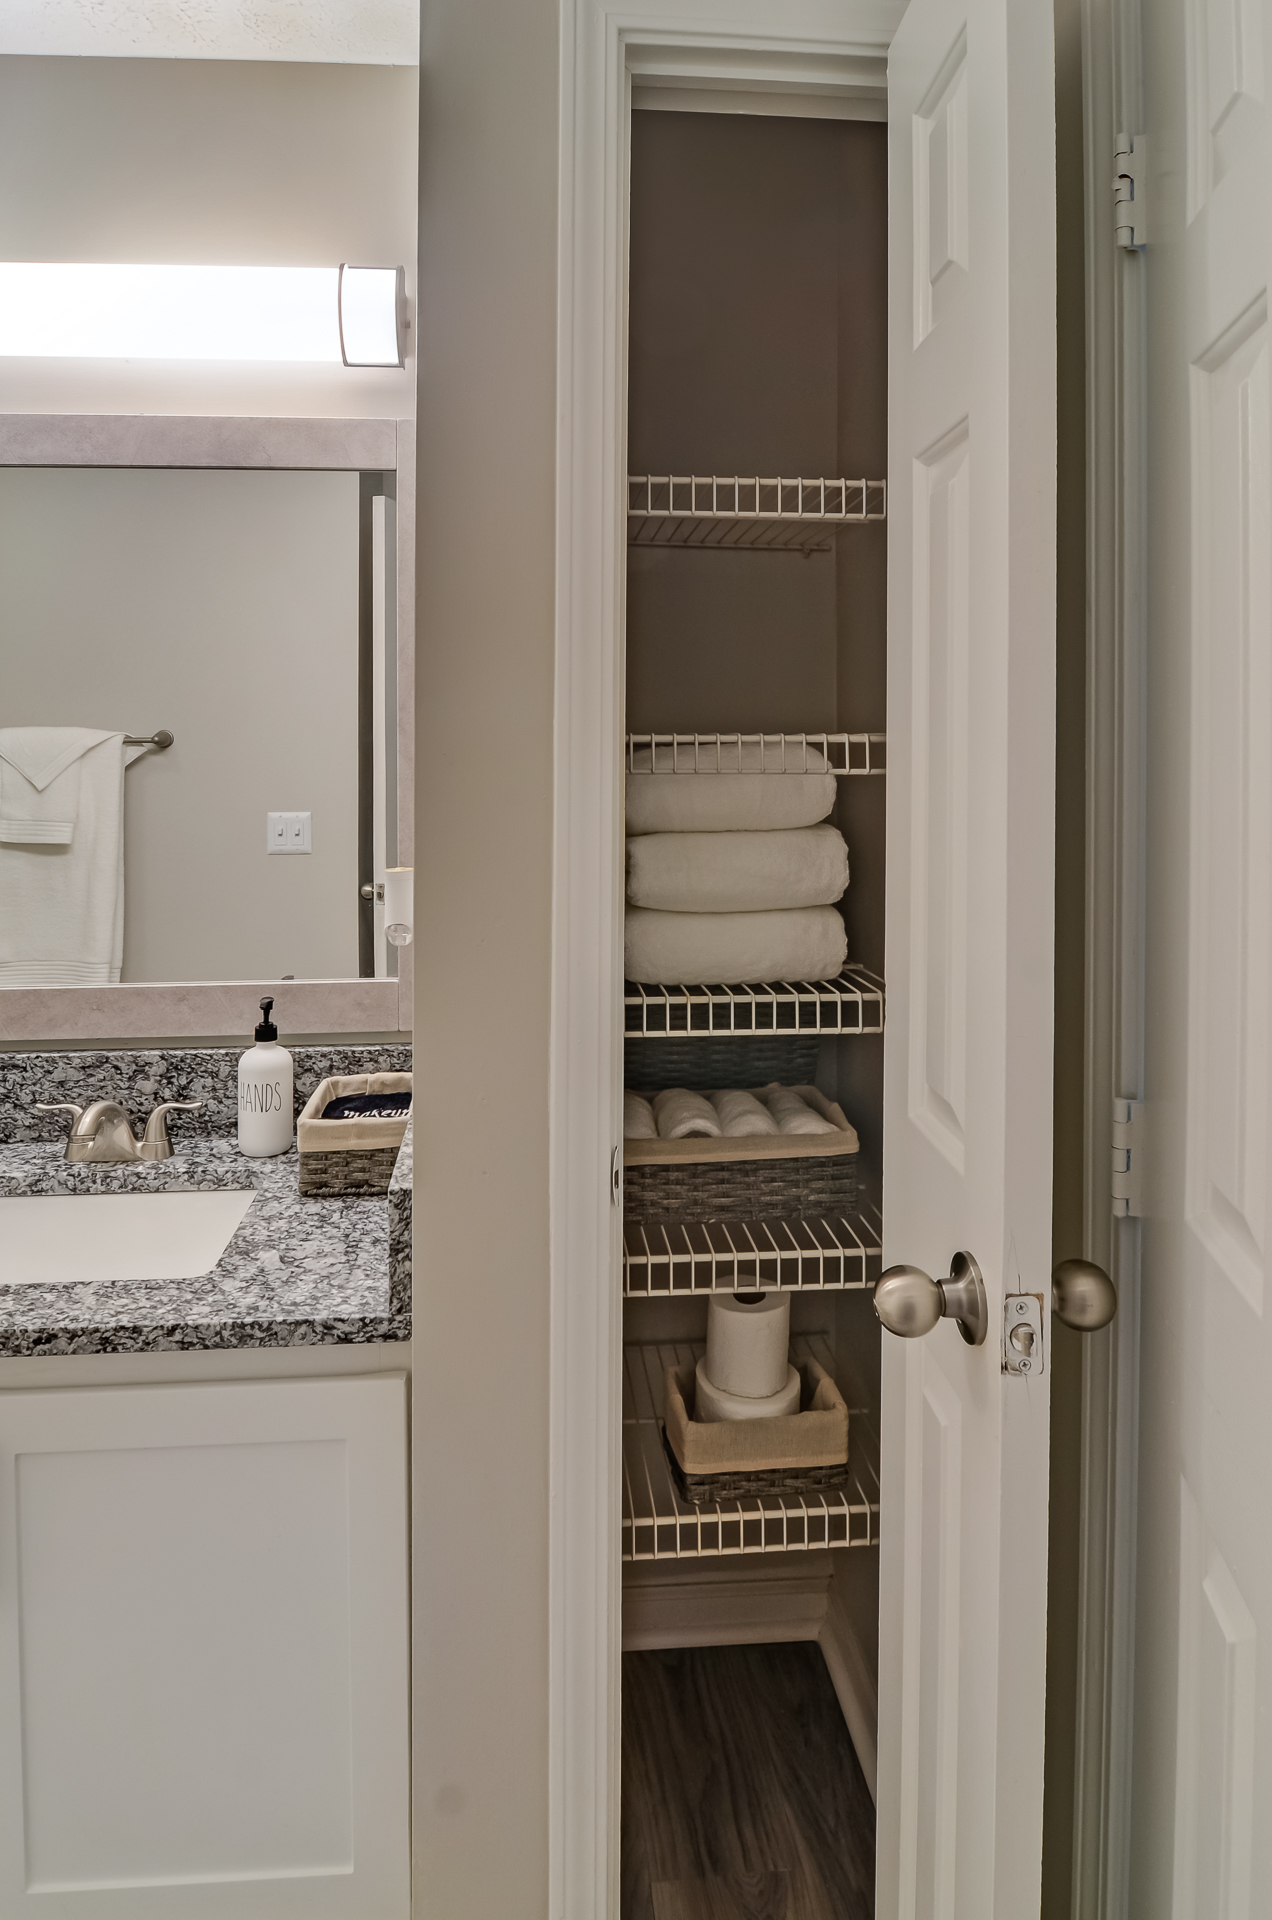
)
(1201, 1847)
(204, 1668)
(967, 1121)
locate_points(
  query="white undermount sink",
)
(50, 1238)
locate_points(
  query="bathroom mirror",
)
(243, 617)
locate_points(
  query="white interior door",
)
(1203, 1706)
(967, 1121)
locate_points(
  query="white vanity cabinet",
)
(203, 1649)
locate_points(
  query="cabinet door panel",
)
(203, 1659)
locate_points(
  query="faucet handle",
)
(58, 1106)
(156, 1144)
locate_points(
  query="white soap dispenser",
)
(265, 1092)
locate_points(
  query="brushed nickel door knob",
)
(909, 1302)
(1082, 1295)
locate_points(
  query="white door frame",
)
(711, 42)
(1116, 656)
(585, 1605)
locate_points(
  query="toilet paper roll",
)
(711, 1404)
(747, 1339)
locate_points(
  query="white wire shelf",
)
(659, 1525)
(665, 1259)
(841, 753)
(850, 1004)
(748, 511)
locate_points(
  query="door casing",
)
(717, 43)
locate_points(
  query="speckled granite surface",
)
(401, 1194)
(296, 1272)
(141, 1079)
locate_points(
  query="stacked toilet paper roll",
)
(745, 1373)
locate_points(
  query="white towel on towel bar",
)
(750, 801)
(62, 856)
(737, 872)
(702, 949)
(681, 1114)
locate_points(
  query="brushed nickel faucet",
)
(102, 1131)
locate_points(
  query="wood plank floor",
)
(742, 1795)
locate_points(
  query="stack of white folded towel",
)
(731, 1114)
(732, 877)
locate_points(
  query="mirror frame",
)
(207, 1009)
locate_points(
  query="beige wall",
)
(223, 606)
(488, 173)
(206, 162)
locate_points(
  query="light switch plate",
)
(288, 833)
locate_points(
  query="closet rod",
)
(162, 739)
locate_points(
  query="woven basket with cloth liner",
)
(757, 1177)
(353, 1156)
(802, 1452)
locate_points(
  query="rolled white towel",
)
(793, 1114)
(700, 949)
(747, 800)
(681, 1114)
(737, 872)
(638, 1118)
(741, 1114)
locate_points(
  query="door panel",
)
(967, 1118)
(203, 1652)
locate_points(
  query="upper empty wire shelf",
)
(840, 753)
(778, 514)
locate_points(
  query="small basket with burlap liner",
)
(774, 1176)
(712, 1460)
(352, 1156)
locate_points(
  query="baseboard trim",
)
(734, 1611)
(854, 1683)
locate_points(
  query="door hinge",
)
(1130, 190)
(616, 1177)
(1128, 1158)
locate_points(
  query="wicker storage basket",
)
(765, 1177)
(349, 1157)
(709, 1060)
(802, 1452)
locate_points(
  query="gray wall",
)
(223, 606)
(485, 638)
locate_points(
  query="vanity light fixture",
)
(346, 315)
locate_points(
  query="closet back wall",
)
(757, 341)
(743, 232)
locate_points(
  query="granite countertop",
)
(297, 1272)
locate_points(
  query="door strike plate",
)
(1022, 1334)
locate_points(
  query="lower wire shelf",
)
(659, 1525)
(665, 1258)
